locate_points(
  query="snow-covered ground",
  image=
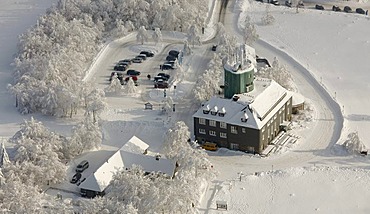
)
(327, 54)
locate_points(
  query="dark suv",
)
(161, 84)
(133, 72)
(319, 7)
(82, 166)
(147, 53)
(360, 11)
(166, 76)
(347, 9)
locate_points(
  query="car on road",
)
(166, 76)
(167, 67)
(137, 60)
(133, 72)
(76, 178)
(147, 53)
(171, 58)
(347, 9)
(319, 7)
(214, 47)
(174, 53)
(360, 11)
(128, 61)
(288, 3)
(160, 84)
(82, 166)
(336, 8)
(120, 67)
(127, 64)
(210, 146)
(143, 56)
(275, 2)
(159, 78)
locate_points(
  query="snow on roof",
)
(297, 99)
(148, 163)
(262, 103)
(122, 159)
(267, 100)
(100, 179)
(135, 145)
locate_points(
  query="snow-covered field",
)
(327, 53)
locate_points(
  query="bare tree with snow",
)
(268, 19)
(115, 86)
(193, 36)
(277, 72)
(157, 36)
(4, 157)
(130, 87)
(142, 35)
(353, 144)
(95, 103)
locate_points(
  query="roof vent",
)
(206, 109)
(244, 117)
(236, 98)
(222, 112)
(214, 110)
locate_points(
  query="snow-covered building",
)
(131, 154)
(247, 121)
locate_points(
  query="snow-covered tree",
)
(4, 158)
(115, 86)
(278, 73)
(142, 35)
(250, 34)
(95, 103)
(187, 49)
(130, 87)
(193, 36)
(207, 85)
(38, 153)
(86, 136)
(353, 144)
(268, 19)
(157, 36)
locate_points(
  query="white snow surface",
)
(325, 52)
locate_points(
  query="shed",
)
(149, 106)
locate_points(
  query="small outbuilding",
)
(297, 102)
(148, 106)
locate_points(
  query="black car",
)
(172, 63)
(76, 178)
(214, 47)
(143, 56)
(360, 11)
(133, 72)
(174, 53)
(167, 67)
(128, 61)
(137, 60)
(166, 76)
(82, 166)
(275, 2)
(336, 8)
(161, 84)
(319, 7)
(147, 53)
(347, 9)
(288, 3)
(260, 0)
(119, 76)
(120, 67)
(170, 58)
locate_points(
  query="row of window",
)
(213, 133)
(212, 123)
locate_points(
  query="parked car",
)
(347, 9)
(133, 72)
(161, 84)
(167, 67)
(288, 3)
(174, 53)
(173, 63)
(82, 166)
(336, 8)
(119, 76)
(171, 58)
(214, 47)
(210, 146)
(360, 11)
(275, 2)
(128, 61)
(147, 53)
(160, 78)
(319, 7)
(123, 63)
(120, 67)
(143, 56)
(167, 76)
(137, 60)
(260, 0)
(76, 178)
(134, 78)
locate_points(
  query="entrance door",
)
(234, 146)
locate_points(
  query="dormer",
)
(214, 110)
(244, 118)
(222, 112)
(206, 109)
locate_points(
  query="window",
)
(212, 133)
(244, 130)
(263, 136)
(234, 146)
(223, 135)
(202, 121)
(223, 125)
(212, 123)
(202, 131)
(234, 129)
(263, 129)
